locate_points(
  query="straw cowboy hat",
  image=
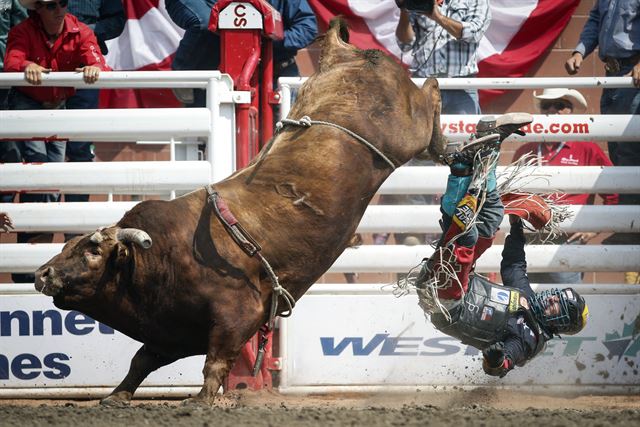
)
(31, 4)
(570, 95)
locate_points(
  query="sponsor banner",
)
(381, 340)
(41, 346)
(554, 128)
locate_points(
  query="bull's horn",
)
(96, 238)
(134, 235)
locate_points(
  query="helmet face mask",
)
(560, 311)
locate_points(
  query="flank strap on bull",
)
(306, 122)
(251, 248)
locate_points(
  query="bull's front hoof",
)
(118, 400)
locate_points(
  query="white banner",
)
(380, 340)
(554, 128)
(41, 346)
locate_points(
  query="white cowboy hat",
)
(570, 95)
(31, 4)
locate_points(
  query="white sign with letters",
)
(240, 16)
(42, 346)
(335, 339)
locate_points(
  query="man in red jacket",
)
(50, 39)
(573, 153)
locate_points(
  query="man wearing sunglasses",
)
(50, 39)
(571, 153)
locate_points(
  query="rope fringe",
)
(523, 172)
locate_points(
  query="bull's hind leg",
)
(143, 363)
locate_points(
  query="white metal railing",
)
(106, 177)
(86, 217)
(215, 123)
(287, 84)
(25, 258)
(158, 177)
(585, 127)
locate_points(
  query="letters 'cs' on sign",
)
(240, 16)
(240, 11)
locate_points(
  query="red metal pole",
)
(267, 95)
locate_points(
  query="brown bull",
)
(195, 291)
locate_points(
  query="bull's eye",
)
(96, 251)
(92, 253)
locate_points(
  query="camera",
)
(418, 5)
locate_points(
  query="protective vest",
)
(480, 318)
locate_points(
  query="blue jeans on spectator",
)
(9, 150)
(81, 151)
(623, 101)
(199, 48)
(193, 17)
(190, 14)
(460, 101)
(36, 152)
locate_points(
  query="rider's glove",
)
(495, 362)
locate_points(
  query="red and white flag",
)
(521, 32)
(148, 42)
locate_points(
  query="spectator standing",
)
(444, 43)
(106, 18)
(614, 28)
(11, 14)
(572, 153)
(50, 39)
(199, 48)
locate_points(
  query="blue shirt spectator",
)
(199, 48)
(614, 27)
(105, 17)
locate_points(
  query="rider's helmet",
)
(560, 311)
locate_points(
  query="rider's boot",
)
(504, 125)
(490, 132)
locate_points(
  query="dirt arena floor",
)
(458, 408)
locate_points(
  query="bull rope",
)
(306, 122)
